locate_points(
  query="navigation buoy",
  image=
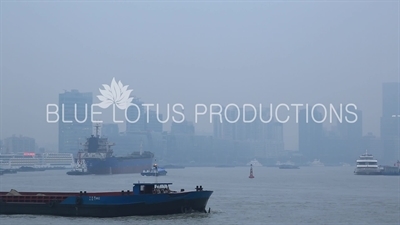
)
(251, 171)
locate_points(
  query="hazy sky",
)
(196, 52)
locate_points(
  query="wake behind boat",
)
(144, 199)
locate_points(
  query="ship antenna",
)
(141, 147)
(156, 170)
(97, 130)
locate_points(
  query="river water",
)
(309, 195)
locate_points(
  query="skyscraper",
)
(311, 134)
(20, 143)
(110, 130)
(390, 121)
(390, 99)
(139, 113)
(75, 123)
(136, 115)
(185, 127)
(246, 125)
(353, 131)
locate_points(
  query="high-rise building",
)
(135, 115)
(247, 127)
(110, 130)
(390, 121)
(344, 142)
(75, 123)
(20, 143)
(139, 121)
(153, 123)
(351, 130)
(390, 99)
(185, 127)
(311, 134)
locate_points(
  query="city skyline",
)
(386, 107)
(249, 55)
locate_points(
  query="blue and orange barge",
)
(144, 199)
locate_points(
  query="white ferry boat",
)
(31, 159)
(367, 165)
(65, 160)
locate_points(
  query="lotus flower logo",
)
(116, 94)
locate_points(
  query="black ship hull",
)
(181, 205)
(119, 165)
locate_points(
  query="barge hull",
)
(180, 205)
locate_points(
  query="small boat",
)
(155, 171)
(79, 169)
(143, 199)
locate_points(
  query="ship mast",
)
(156, 171)
(97, 130)
(141, 147)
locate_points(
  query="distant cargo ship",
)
(99, 158)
